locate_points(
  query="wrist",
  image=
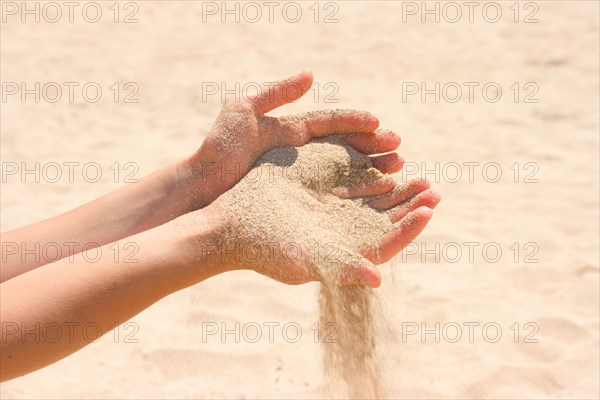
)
(192, 184)
(198, 240)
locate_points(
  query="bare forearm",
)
(156, 199)
(74, 293)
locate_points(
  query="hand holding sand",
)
(303, 214)
(242, 133)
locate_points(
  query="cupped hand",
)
(242, 133)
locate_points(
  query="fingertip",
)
(405, 231)
(306, 77)
(387, 185)
(436, 197)
(427, 198)
(377, 142)
(423, 213)
(420, 184)
(281, 92)
(365, 121)
(296, 86)
(388, 163)
(372, 122)
(370, 276)
(360, 273)
(392, 139)
(307, 73)
(365, 189)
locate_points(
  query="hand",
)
(265, 215)
(242, 133)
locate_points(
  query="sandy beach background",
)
(498, 298)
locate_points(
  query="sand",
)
(365, 58)
(286, 199)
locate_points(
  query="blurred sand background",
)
(366, 58)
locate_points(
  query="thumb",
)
(282, 92)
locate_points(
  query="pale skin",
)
(170, 215)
